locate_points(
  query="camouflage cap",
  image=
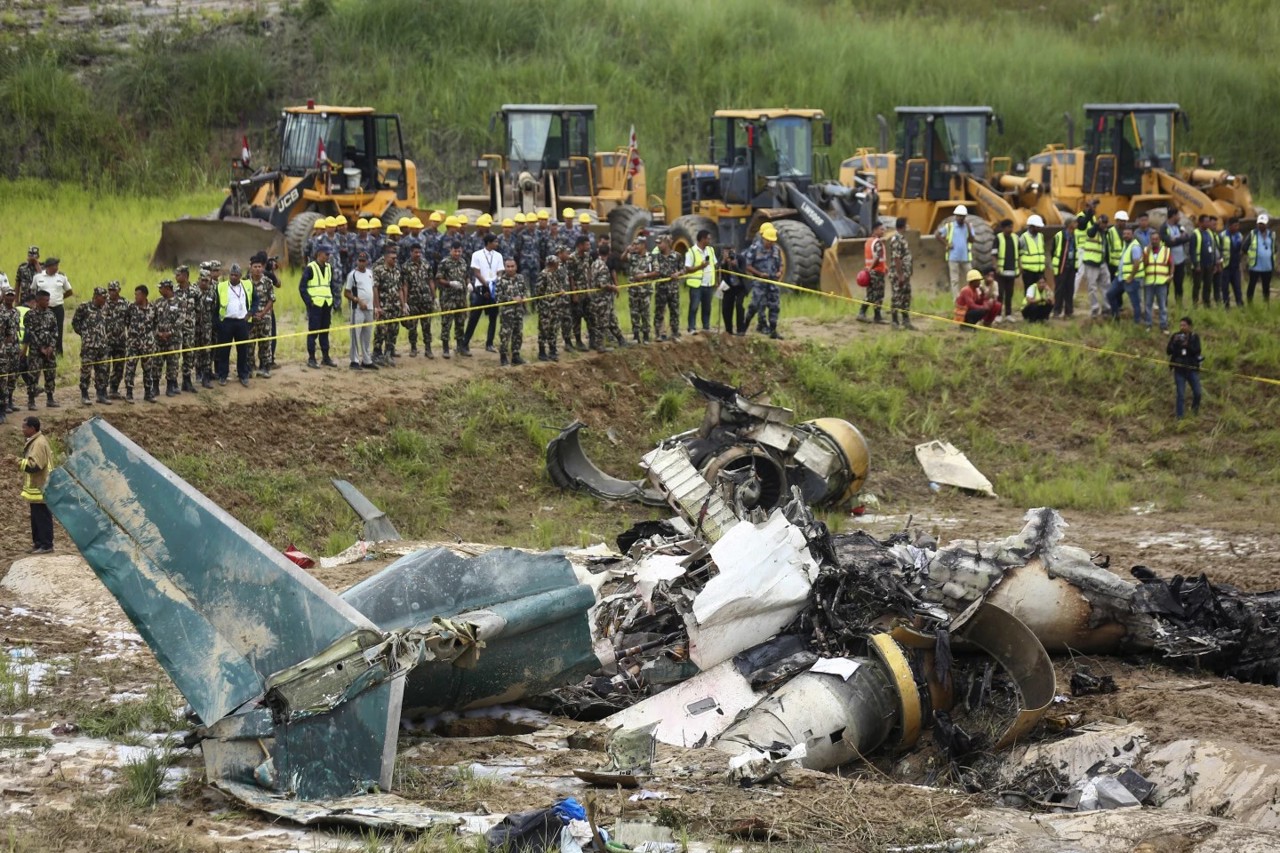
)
(168, 282)
(99, 291)
(113, 285)
(6, 290)
(180, 269)
(562, 247)
(34, 250)
(214, 266)
(204, 267)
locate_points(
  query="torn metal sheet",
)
(749, 452)
(694, 712)
(689, 493)
(373, 811)
(377, 527)
(943, 463)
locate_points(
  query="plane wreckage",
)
(750, 448)
(752, 630)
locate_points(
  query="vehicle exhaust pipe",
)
(884, 131)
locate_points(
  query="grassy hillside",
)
(661, 65)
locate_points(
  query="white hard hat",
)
(1263, 219)
(1122, 216)
(961, 210)
(1034, 219)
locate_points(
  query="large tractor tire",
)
(625, 221)
(801, 253)
(684, 231)
(394, 213)
(297, 233)
(982, 249)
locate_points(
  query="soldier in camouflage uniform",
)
(26, 275)
(639, 296)
(90, 323)
(451, 284)
(140, 332)
(389, 283)
(186, 296)
(511, 287)
(39, 345)
(578, 270)
(168, 338)
(420, 287)
(261, 313)
(667, 265)
(604, 319)
(507, 242)
(764, 260)
(552, 283)
(116, 307)
(204, 336)
(9, 343)
(900, 261)
(876, 264)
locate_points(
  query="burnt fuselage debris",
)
(750, 448)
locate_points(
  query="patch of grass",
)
(127, 720)
(670, 404)
(1093, 488)
(15, 685)
(143, 777)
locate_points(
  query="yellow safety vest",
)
(1251, 248)
(1090, 247)
(1159, 266)
(1128, 272)
(1115, 244)
(318, 286)
(22, 323)
(1002, 251)
(968, 244)
(695, 279)
(224, 290)
(1033, 252)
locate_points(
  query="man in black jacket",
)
(1184, 357)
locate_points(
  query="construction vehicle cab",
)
(330, 161)
(549, 160)
(1130, 162)
(763, 168)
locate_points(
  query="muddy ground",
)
(61, 791)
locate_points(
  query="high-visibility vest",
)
(224, 290)
(695, 279)
(1091, 251)
(1251, 248)
(1224, 246)
(1115, 245)
(1059, 251)
(318, 285)
(1129, 271)
(968, 244)
(1033, 252)
(22, 323)
(1003, 245)
(869, 253)
(1159, 267)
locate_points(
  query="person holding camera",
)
(1183, 350)
(1093, 273)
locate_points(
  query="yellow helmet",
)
(484, 220)
(508, 223)
(322, 222)
(769, 232)
(437, 216)
(341, 220)
(451, 222)
(567, 213)
(415, 222)
(520, 218)
(375, 222)
(584, 218)
(462, 218)
(403, 221)
(393, 230)
(543, 215)
(362, 225)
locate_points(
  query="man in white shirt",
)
(700, 277)
(360, 293)
(234, 299)
(486, 265)
(58, 288)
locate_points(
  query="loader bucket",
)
(232, 240)
(842, 262)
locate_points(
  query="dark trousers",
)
(60, 312)
(1064, 292)
(481, 304)
(1006, 292)
(318, 318)
(1202, 285)
(274, 333)
(1265, 278)
(1229, 286)
(1179, 276)
(1037, 312)
(41, 526)
(1182, 376)
(732, 310)
(700, 299)
(236, 331)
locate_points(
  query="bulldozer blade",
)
(192, 240)
(842, 262)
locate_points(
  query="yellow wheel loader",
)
(548, 162)
(1130, 162)
(763, 168)
(331, 161)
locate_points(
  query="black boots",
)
(170, 388)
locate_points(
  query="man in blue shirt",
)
(1232, 254)
(1260, 255)
(956, 238)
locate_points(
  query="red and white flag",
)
(321, 157)
(633, 154)
(245, 154)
